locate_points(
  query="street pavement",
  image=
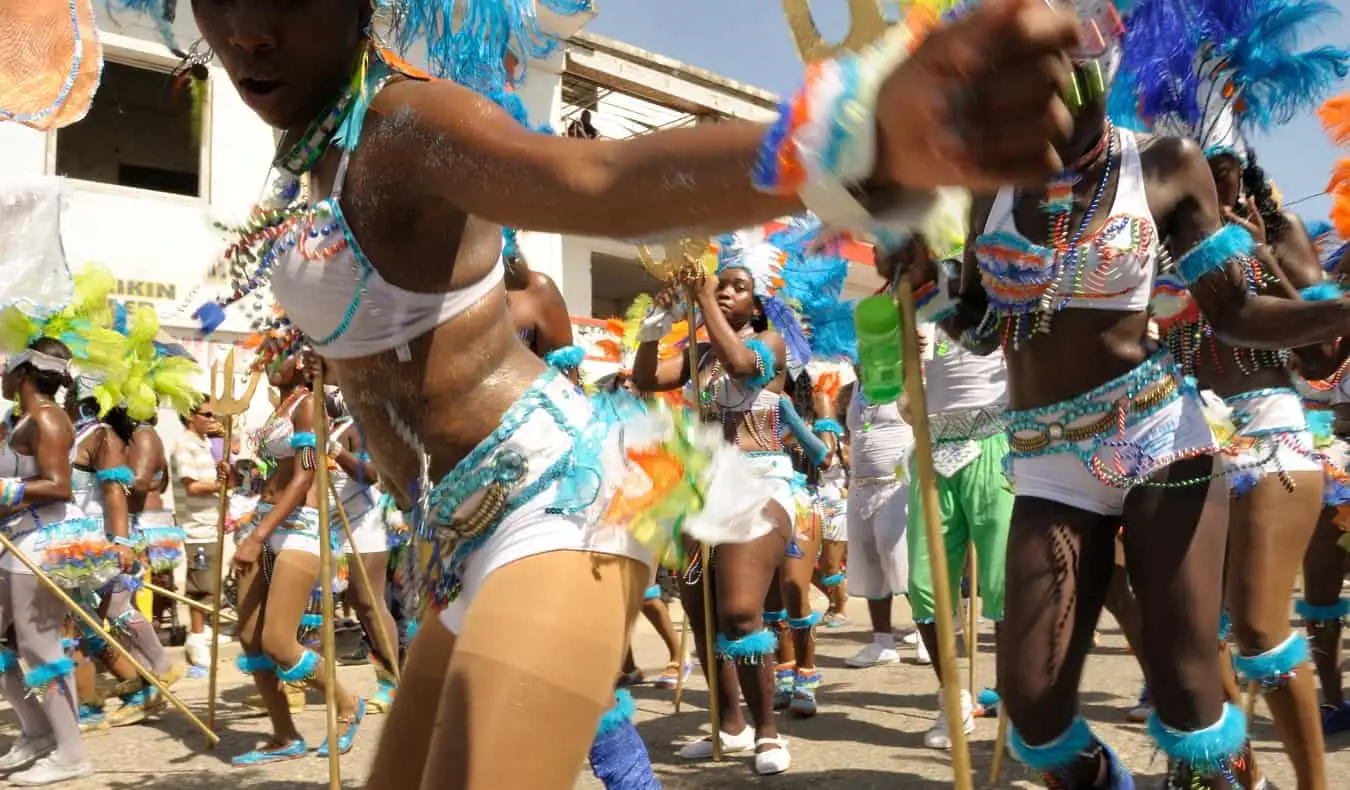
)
(868, 734)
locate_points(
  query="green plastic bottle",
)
(880, 360)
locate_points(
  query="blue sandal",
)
(348, 736)
(290, 751)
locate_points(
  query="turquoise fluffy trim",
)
(8, 660)
(1214, 252)
(767, 368)
(1320, 422)
(311, 621)
(652, 593)
(1321, 614)
(773, 618)
(250, 664)
(565, 359)
(617, 716)
(828, 425)
(40, 677)
(303, 670)
(117, 474)
(1057, 753)
(1276, 663)
(804, 623)
(749, 648)
(1322, 292)
(303, 439)
(833, 580)
(1205, 751)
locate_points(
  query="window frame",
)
(149, 56)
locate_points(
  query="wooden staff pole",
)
(367, 589)
(188, 602)
(932, 517)
(326, 568)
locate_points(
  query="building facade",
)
(159, 164)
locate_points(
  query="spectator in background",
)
(198, 478)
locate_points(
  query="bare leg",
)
(378, 622)
(253, 600)
(1323, 609)
(294, 576)
(728, 685)
(540, 644)
(1270, 531)
(796, 587)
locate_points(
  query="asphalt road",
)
(868, 734)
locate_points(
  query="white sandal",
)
(773, 761)
(742, 741)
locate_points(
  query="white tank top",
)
(85, 489)
(959, 380)
(879, 437)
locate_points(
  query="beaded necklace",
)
(1070, 260)
(301, 157)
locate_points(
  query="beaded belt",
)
(447, 534)
(966, 424)
(1055, 432)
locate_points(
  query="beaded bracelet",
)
(933, 301)
(1214, 252)
(11, 491)
(824, 143)
(827, 425)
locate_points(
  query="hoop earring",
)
(194, 61)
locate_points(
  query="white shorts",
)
(1272, 437)
(878, 555)
(529, 529)
(1097, 473)
(777, 468)
(369, 532)
(830, 502)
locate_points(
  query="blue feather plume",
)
(787, 325)
(1158, 56)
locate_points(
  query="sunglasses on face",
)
(206, 415)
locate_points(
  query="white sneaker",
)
(224, 638)
(940, 737)
(873, 655)
(24, 751)
(48, 771)
(774, 761)
(911, 638)
(921, 656)
(742, 741)
(198, 650)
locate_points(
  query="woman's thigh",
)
(294, 575)
(541, 644)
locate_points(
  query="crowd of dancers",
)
(1132, 370)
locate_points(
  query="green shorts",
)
(976, 504)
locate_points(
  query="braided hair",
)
(1258, 187)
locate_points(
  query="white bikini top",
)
(16, 464)
(332, 292)
(1111, 269)
(274, 438)
(348, 487)
(85, 489)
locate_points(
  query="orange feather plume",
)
(1335, 115)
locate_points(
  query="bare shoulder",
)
(1165, 155)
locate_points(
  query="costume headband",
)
(39, 360)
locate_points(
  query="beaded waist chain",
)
(463, 510)
(1135, 395)
(966, 425)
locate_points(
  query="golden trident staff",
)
(327, 637)
(227, 407)
(867, 23)
(688, 268)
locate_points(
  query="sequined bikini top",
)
(1110, 269)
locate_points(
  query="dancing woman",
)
(534, 301)
(1119, 437)
(277, 559)
(37, 514)
(354, 480)
(1274, 468)
(492, 646)
(829, 501)
(1323, 608)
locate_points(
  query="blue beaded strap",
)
(1214, 252)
